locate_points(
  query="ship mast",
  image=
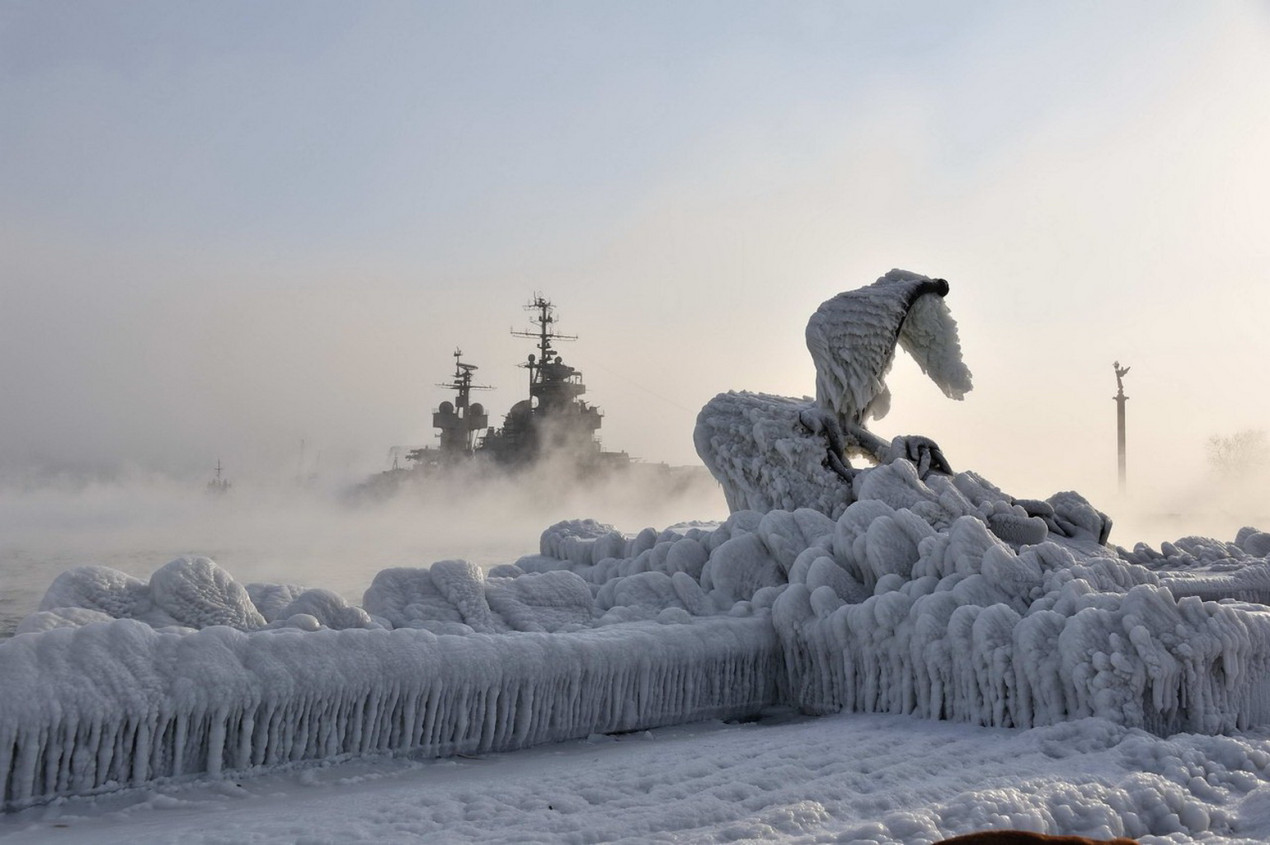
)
(462, 381)
(219, 484)
(460, 422)
(553, 420)
(541, 366)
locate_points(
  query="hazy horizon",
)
(226, 230)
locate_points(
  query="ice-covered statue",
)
(771, 451)
(779, 453)
(852, 340)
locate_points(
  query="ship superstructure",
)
(459, 423)
(219, 485)
(553, 426)
(553, 420)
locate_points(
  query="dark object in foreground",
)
(1025, 837)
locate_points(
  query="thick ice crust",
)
(762, 452)
(118, 704)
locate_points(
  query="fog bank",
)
(312, 535)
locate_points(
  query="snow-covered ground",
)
(785, 778)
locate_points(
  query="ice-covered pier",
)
(113, 705)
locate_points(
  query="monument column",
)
(1120, 400)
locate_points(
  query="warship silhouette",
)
(552, 425)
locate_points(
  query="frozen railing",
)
(113, 705)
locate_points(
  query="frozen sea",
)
(281, 532)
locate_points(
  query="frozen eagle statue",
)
(771, 452)
(852, 340)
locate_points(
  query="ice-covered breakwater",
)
(936, 593)
(118, 681)
(893, 615)
(908, 602)
(950, 599)
(112, 705)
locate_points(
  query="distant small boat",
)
(219, 485)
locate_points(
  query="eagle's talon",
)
(825, 423)
(922, 452)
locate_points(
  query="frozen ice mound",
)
(916, 600)
(895, 616)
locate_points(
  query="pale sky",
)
(226, 227)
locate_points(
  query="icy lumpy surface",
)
(198, 593)
(457, 597)
(1211, 569)
(98, 588)
(193, 593)
(948, 598)
(943, 597)
(189, 592)
(958, 624)
(115, 704)
(765, 457)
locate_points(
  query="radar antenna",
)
(545, 318)
(462, 380)
(460, 422)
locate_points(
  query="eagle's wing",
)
(851, 338)
(764, 454)
(929, 334)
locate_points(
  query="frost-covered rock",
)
(199, 594)
(575, 541)
(61, 617)
(463, 586)
(962, 625)
(1255, 543)
(271, 599)
(765, 457)
(99, 588)
(329, 609)
(548, 601)
(406, 597)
